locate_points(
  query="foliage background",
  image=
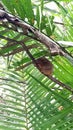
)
(29, 100)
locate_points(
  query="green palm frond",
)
(28, 99)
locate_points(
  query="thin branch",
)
(60, 83)
(17, 50)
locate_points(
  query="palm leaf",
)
(29, 100)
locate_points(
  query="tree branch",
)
(30, 31)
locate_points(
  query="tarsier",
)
(45, 66)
